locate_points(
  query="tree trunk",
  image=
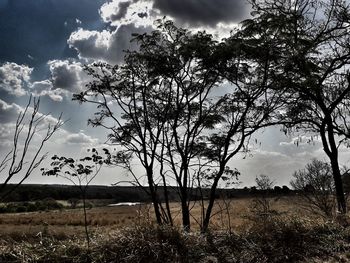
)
(206, 220)
(154, 197)
(338, 182)
(167, 205)
(332, 153)
(85, 220)
(186, 222)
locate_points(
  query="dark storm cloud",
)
(33, 32)
(203, 12)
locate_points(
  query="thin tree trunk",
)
(85, 221)
(186, 222)
(210, 205)
(332, 153)
(167, 205)
(338, 182)
(154, 197)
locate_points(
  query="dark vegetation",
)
(277, 240)
(31, 192)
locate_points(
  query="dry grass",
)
(128, 234)
(232, 215)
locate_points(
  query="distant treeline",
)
(33, 192)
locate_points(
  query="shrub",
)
(21, 209)
(315, 183)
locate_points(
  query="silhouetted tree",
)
(25, 156)
(165, 106)
(308, 43)
(132, 106)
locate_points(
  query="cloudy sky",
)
(45, 43)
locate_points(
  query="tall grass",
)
(277, 240)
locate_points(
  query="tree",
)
(150, 89)
(309, 55)
(315, 184)
(132, 109)
(80, 173)
(262, 204)
(30, 123)
(173, 116)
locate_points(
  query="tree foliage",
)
(307, 46)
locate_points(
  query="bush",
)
(146, 244)
(316, 186)
(21, 209)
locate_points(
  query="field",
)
(230, 214)
(128, 234)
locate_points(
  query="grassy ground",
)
(228, 215)
(127, 234)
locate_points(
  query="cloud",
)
(90, 44)
(137, 16)
(45, 88)
(8, 112)
(203, 12)
(14, 78)
(37, 28)
(80, 138)
(105, 45)
(118, 12)
(66, 76)
(302, 140)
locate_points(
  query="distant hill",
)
(33, 192)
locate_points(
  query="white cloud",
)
(90, 44)
(66, 76)
(81, 138)
(302, 141)
(139, 13)
(8, 112)
(14, 78)
(105, 45)
(45, 87)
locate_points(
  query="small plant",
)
(261, 204)
(80, 173)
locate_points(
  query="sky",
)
(45, 43)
